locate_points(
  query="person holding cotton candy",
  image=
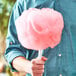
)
(35, 45)
(39, 29)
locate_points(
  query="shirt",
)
(61, 59)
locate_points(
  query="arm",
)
(35, 67)
(15, 52)
(13, 47)
(22, 64)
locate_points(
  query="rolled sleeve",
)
(11, 56)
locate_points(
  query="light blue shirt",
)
(61, 59)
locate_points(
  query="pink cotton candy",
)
(39, 29)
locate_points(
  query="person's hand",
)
(38, 66)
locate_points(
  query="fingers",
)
(38, 66)
(38, 71)
(37, 74)
(44, 58)
(39, 61)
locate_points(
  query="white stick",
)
(40, 54)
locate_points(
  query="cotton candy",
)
(39, 29)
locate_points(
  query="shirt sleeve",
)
(13, 46)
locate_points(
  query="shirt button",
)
(60, 75)
(59, 54)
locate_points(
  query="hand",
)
(38, 66)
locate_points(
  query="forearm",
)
(22, 64)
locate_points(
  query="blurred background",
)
(5, 11)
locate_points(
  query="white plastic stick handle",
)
(40, 54)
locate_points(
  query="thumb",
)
(43, 58)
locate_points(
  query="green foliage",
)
(5, 10)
